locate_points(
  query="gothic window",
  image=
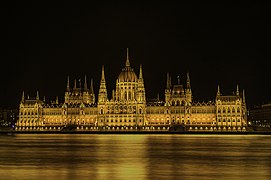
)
(173, 103)
(140, 111)
(224, 110)
(101, 111)
(130, 96)
(238, 110)
(178, 103)
(229, 110)
(233, 110)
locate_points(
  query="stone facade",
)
(128, 109)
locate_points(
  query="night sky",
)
(43, 42)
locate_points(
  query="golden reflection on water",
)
(135, 157)
(128, 157)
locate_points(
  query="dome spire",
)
(127, 64)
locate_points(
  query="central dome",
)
(127, 74)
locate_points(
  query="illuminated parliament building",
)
(128, 109)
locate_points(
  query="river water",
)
(123, 156)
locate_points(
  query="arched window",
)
(125, 95)
(233, 110)
(173, 103)
(224, 110)
(129, 95)
(229, 111)
(238, 110)
(178, 103)
(101, 111)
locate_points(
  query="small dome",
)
(127, 75)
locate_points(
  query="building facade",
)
(8, 117)
(128, 109)
(260, 117)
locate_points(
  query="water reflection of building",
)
(260, 116)
(128, 109)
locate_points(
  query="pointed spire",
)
(140, 72)
(23, 96)
(91, 86)
(85, 84)
(218, 91)
(102, 77)
(43, 98)
(80, 84)
(168, 81)
(113, 95)
(178, 80)
(57, 100)
(237, 90)
(244, 99)
(68, 84)
(74, 84)
(127, 64)
(188, 85)
(37, 97)
(158, 98)
(102, 97)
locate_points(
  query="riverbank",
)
(139, 132)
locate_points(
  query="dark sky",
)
(43, 42)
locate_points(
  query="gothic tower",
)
(102, 97)
(168, 89)
(88, 94)
(188, 91)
